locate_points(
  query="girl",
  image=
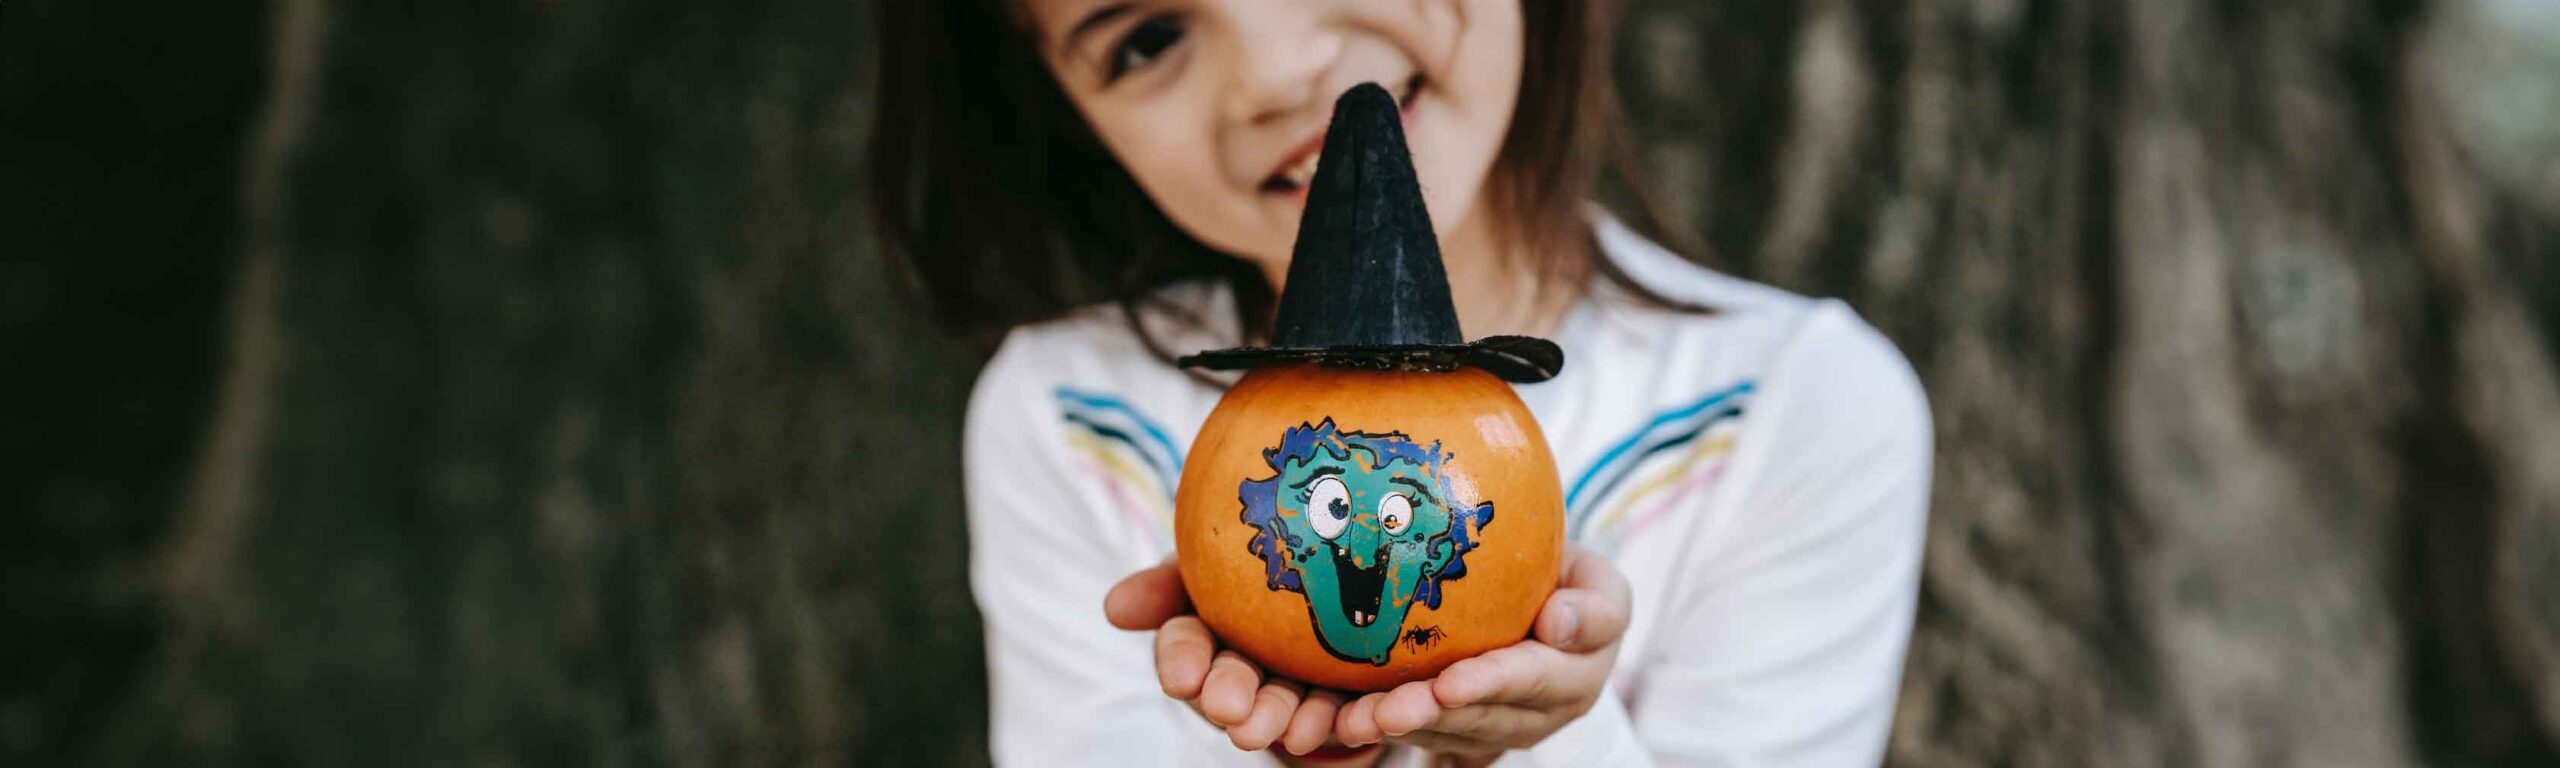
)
(1113, 182)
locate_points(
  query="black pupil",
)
(1146, 40)
(1339, 508)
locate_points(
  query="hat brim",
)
(1516, 359)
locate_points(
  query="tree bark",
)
(566, 418)
(559, 415)
(2245, 412)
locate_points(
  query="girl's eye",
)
(1143, 44)
(1395, 512)
(1328, 507)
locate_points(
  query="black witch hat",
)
(1366, 288)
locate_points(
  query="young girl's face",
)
(1218, 107)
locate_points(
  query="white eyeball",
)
(1328, 507)
(1395, 512)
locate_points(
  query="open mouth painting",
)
(1363, 525)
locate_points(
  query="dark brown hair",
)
(997, 206)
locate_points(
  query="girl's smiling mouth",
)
(1298, 169)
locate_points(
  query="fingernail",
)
(1566, 622)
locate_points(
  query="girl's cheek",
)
(1189, 189)
(1170, 162)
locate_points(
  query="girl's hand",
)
(1221, 685)
(1513, 697)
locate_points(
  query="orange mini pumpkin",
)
(1371, 502)
(1357, 529)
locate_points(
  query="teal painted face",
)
(1361, 525)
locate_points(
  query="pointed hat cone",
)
(1366, 287)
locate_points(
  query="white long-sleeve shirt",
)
(1760, 473)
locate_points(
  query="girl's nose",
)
(1285, 51)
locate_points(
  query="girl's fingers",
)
(1273, 706)
(1486, 723)
(1590, 606)
(1183, 650)
(1313, 722)
(1409, 707)
(1147, 599)
(1226, 696)
(1357, 725)
(1525, 674)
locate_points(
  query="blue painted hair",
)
(1272, 540)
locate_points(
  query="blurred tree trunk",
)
(563, 419)
(566, 420)
(2247, 424)
(119, 156)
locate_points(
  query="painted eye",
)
(1328, 507)
(1395, 512)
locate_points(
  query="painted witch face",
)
(1364, 525)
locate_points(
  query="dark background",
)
(513, 383)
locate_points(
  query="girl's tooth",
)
(1304, 171)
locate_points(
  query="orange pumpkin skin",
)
(1493, 455)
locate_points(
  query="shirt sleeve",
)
(1782, 634)
(1064, 687)
(1783, 627)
